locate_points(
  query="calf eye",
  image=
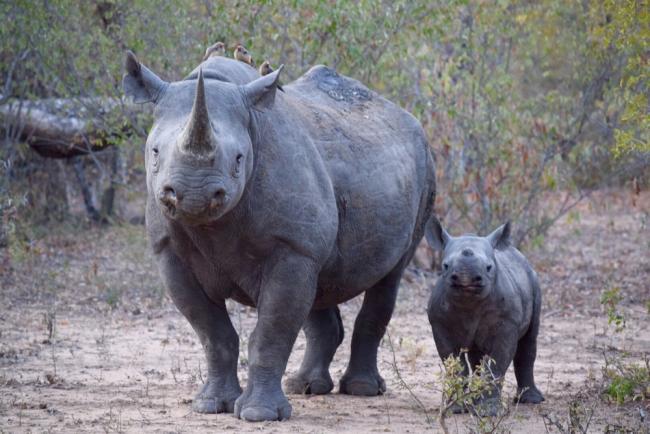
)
(445, 266)
(155, 151)
(489, 267)
(237, 165)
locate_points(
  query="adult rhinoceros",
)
(289, 202)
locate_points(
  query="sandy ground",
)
(90, 343)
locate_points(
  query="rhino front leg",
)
(362, 377)
(285, 299)
(449, 347)
(324, 333)
(501, 354)
(212, 324)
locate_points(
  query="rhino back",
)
(225, 69)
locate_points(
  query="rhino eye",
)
(445, 266)
(239, 157)
(489, 267)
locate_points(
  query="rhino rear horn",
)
(198, 138)
(139, 82)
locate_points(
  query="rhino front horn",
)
(198, 138)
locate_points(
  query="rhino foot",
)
(531, 395)
(362, 384)
(301, 384)
(457, 408)
(488, 407)
(255, 408)
(214, 398)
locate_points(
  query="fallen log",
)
(64, 128)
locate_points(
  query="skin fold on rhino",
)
(291, 202)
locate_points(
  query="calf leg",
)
(445, 350)
(286, 296)
(527, 392)
(212, 324)
(501, 354)
(362, 376)
(324, 333)
(474, 359)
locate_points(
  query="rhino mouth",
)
(471, 289)
(204, 217)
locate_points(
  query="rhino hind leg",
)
(324, 332)
(524, 360)
(362, 377)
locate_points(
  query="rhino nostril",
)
(218, 198)
(169, 191)
(477, 279)
(454, 277)
(168, 196)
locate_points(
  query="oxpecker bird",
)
(214, 50)
(243, 55)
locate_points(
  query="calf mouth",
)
(468, 289)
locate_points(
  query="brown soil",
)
(121, 358)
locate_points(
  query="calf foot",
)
(362, 384)
(316, 383)
(214, 397)
(488, 406)
(530, 395)
(457, 408)
(262, 405)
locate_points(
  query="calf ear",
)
(437, 237)
(260, 93)
(139, 82)
(500, 238)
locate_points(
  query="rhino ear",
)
(437, 237)
(260, 93)
(500, 238)
(139, 82)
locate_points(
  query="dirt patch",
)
(89, 341)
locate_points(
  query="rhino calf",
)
(487, 301)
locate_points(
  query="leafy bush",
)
(626, 381)
(610, 300)
(464, 387)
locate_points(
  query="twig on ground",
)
(403, 383)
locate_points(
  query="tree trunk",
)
(86, 191)
(65, 128)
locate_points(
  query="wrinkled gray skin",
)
(487, 300)
(290, 202)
